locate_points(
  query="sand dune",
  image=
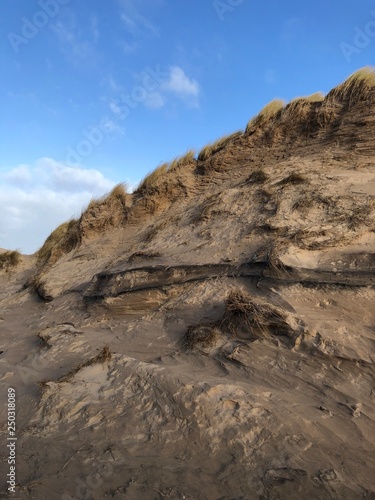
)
(210, 336)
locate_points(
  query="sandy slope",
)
(284, 409)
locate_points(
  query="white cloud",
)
(172, 83)
(35, 199)
(185, 88)
(19, 175)
(154, 100)
(180, 83)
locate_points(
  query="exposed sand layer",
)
(212, 342)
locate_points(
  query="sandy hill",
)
(211, 335)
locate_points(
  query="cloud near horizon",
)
(35, 199)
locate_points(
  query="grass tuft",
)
(257, 177)
(316, 97)
(243, 313)
(213, 148)
(355, 88)
(293, 178)
(60, 239)
(203, 335)
(187, 159)
(267, 115)
(149, 184)
(10, 258)
(119, 193)
(68, 235)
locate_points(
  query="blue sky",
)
(93, 93)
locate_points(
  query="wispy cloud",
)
(36, 198)
(156, 87)
(78, 41)
(134, 22)
(176, 84)
(70, 43)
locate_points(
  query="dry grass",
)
(267, 115)
(316, 97)
(62, 240)
(68, 235)
(264, 196)
(275, 264)
(355, 88)
(264, 227)
(257, 177)
(243, 313)
(269, 202)
(182, 161)
(109, 211)
(355, 217)
(149, 184)
(206, 209)
(211, 149)
(9, 259)
(103, 356)
(306, 115)
(293, 178)
(309, 199)
(118, 193)
(300, 114)
(153, 230)
(204, 336)
(140, 256)
(302, 204)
